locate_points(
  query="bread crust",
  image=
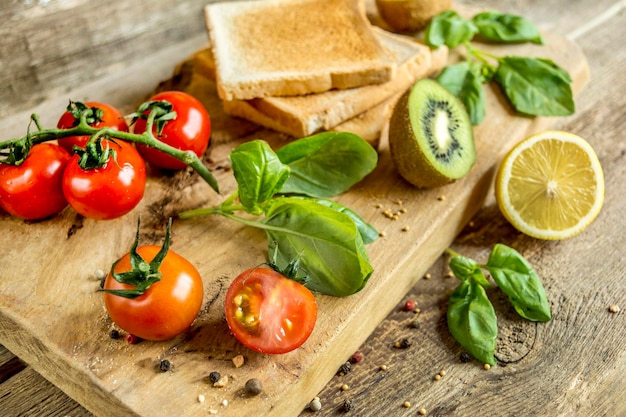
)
(269, 48)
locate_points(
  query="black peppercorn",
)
(345, 368)
(114, 334)
(465, 357)
(165, 365)
(347, 406)
(214, 377)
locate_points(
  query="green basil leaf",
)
(368, 232)
(472, 321)
(463, 267)
(259, 173)
(326, 164)
(330, 247)
(465, 81)
(535, 86)
(450, 29)
(468, 269)
(506, 27)
(516, 277)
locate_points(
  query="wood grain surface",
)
(569, 366)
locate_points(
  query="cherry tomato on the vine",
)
(167, 308)
(189, 131)
(109, 191)
(110, 117)
(268, 312)
(33, 190)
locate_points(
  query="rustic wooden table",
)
(573, 365)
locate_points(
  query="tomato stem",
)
(146, 138)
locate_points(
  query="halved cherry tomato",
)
(190, 130)
(109, 191)
(110, 117)
(167, 308)
(268, 312)
(33, 189)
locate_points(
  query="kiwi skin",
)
(410, 15)
(406, 152)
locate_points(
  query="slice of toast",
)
(293, 47)
(304, 115)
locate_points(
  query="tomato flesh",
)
(189, 131)
(33, 190)
(111, 117)
(268, 312)
(167, 308)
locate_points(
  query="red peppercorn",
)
(357, 357)
(409, 305)
(131, 339)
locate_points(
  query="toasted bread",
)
(269, 48)
(304, 115)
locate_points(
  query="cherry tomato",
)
(268, 312)
(111, 117)
(33, 189)
(109, 191)
(190, 130)
(167, 308)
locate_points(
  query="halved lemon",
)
(550, 185)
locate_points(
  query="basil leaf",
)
(516, 277)
(368, 232)
(472, 321)
(465, 81)
(450, 29)
(536, 86)
(327, 241)
(506, 27)
(259, 173)
(468, 269)
(326, 164)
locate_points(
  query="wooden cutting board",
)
(53, 318)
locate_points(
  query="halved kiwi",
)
(430, 136)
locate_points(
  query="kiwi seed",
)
(430, 136)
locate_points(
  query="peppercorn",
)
(131, 339)
(403, 344)
(409, 305)
(465, 357)
(357, 357)
(344, 369)
(114, 334)
(315, 404)
(347, 406)
(165, 365)
(214, 377)
(253, 386)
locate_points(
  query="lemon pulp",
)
(551, 185)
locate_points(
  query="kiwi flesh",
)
(431, 139)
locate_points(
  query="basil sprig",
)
(533, 86)
(471, 317)
(289, 189)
